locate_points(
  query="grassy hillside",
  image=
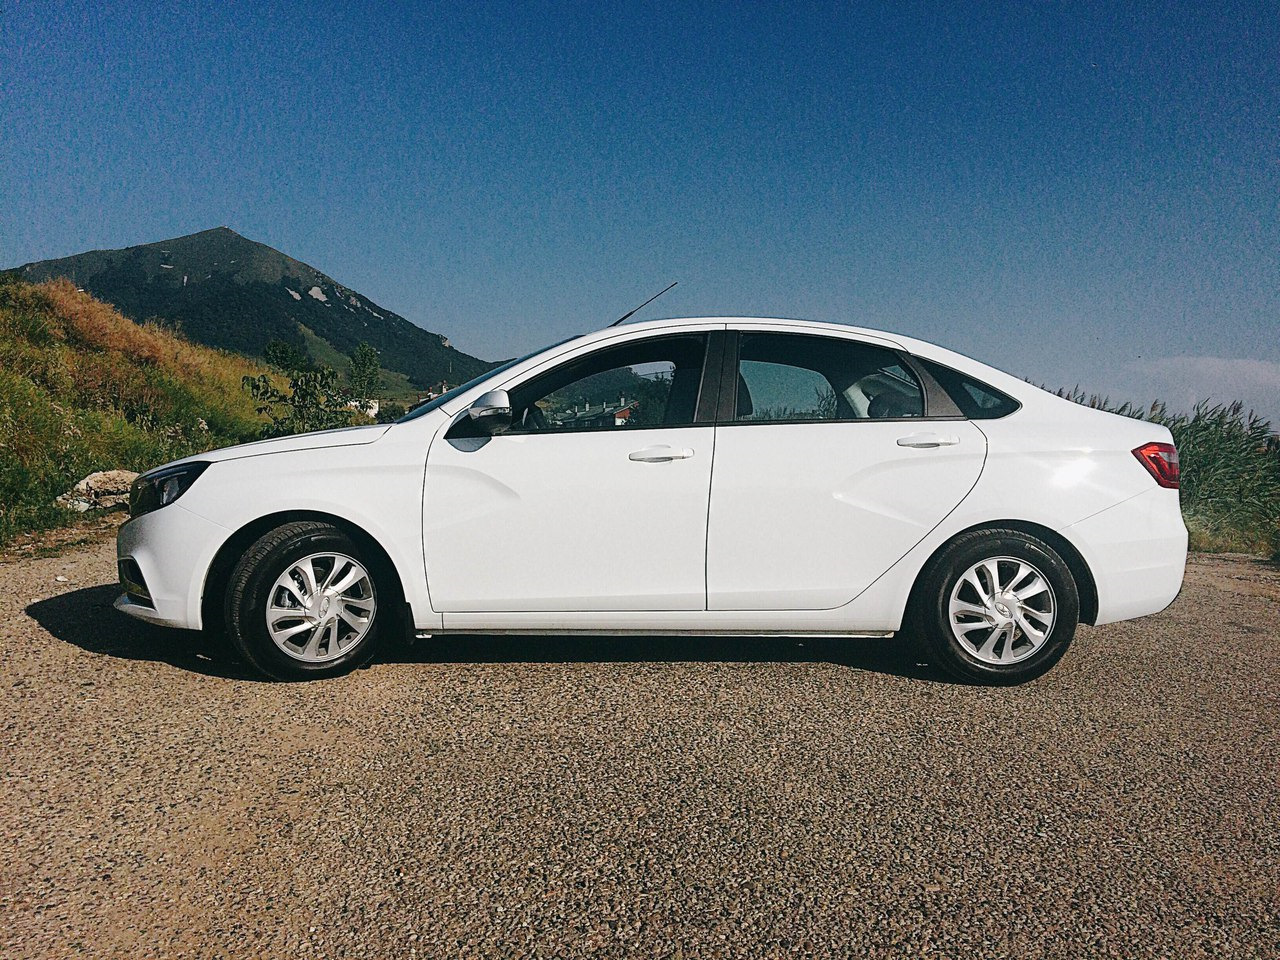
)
(82, 389)
(394, 386)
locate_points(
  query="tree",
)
(285, 357)
(390, 412)
(313, 402)
(365, 374)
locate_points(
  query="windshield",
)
(448, 395)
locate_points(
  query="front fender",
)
(376, 487)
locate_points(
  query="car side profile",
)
(695, 476)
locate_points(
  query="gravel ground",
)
(655, 798)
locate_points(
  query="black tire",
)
(249, 589)
(931, 618)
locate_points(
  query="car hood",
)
(344, 437)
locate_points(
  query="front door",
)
(596, 499)
(827, 472)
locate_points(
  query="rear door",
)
(827, 469)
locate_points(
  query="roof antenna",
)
(628, 316)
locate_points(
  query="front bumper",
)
(140, 611)
(173, 549)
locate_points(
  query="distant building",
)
(595, 418)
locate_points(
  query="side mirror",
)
(491, 412)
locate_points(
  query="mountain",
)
(224, 290)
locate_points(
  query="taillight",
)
(1161, 461)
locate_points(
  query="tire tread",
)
(238, 605)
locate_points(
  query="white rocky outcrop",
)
(104, 490)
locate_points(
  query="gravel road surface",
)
(650, 798)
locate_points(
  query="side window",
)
(647, 383)
(785, 376)
(976, 400)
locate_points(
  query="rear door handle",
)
(927, 440)
(660, 454)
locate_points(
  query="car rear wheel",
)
(997, 607)
(303, 603)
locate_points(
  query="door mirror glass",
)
(491, 412)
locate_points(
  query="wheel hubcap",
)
(321, 607)
(1002, 610)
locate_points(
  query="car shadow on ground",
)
(85, 618)
(897, 656)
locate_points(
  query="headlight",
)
(159, 488)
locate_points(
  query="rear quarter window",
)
(976, 400)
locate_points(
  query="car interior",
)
(660, 376)
(819, 378)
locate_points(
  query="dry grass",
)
(83, 388)
(107, 338)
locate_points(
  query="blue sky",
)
(1075, 193)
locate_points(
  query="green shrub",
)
(389, 411)
(312, 402)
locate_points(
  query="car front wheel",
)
(997, 607)
(303, 603)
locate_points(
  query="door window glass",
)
(788, 377)
(646, 383)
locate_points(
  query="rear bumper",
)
(1137, 552)
(173, 549)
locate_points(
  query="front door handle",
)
(925, 441)
(660, 454)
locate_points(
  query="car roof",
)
(921, 348)
(779, 323)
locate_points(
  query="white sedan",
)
(700, 476)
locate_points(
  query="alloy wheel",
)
(1002, 610)
(321, 607)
